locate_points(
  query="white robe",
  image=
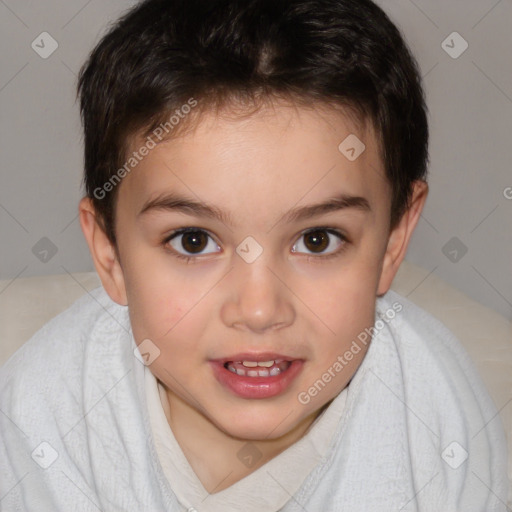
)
(418, 430)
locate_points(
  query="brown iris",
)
(316, 241)
(194, 241)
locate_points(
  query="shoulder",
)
(414, 328)
(439, 373)
(54, 355)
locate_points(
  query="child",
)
(254, 171)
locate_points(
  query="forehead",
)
(277, 156)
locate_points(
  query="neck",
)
(213, 453)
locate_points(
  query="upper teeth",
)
(252, 364)
(251, 368)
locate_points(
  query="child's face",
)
(306, 298)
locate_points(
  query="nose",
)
(257, 297)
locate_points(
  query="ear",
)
(400, 236)
(103, 253)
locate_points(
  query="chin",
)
(261, 427)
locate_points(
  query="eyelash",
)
(189, 259)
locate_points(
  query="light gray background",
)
(470, 102)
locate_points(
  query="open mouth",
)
(264, 378)
(270, 368)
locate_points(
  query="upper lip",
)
(254, 356)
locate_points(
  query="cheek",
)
(158, 296)
(174, 326)
(343, 300)
(348, 309)
(157, 308)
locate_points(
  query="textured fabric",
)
(76, 434)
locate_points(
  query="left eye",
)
(192, 242)
(318, 240)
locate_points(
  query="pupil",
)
(194, 241)
(318, 239)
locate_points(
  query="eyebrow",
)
(177, 203)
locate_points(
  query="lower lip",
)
(256, 387)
